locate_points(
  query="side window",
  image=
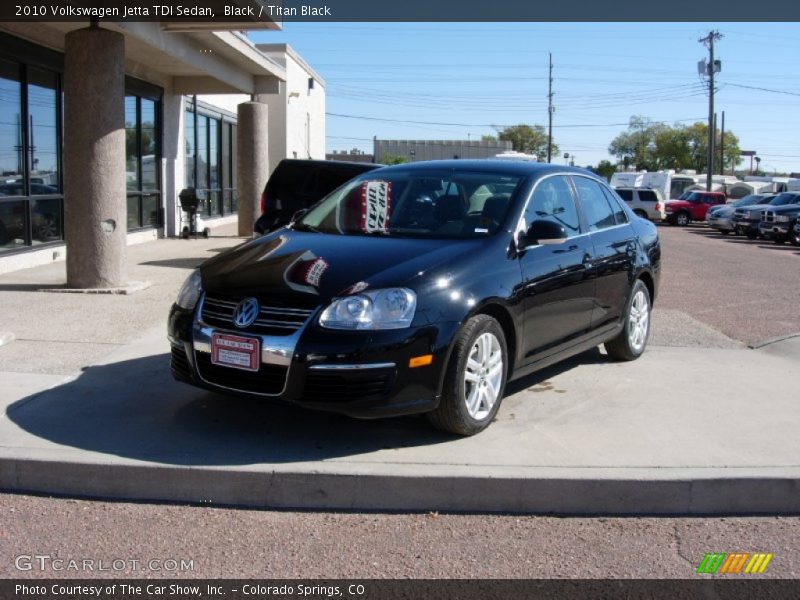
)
(619, 212)
(552, 200)
(647, 196)
(625, 194)
(594, 204)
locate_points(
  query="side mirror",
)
(543, 232)
(298, 215)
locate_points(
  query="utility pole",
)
(709, 41)
(550, 110)
(722, 145)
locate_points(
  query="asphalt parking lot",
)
(746, 289)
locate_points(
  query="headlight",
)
(390, 308)
(190, 291)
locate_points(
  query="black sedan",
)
(422, 288)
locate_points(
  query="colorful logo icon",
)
(735, 563)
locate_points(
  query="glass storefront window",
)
(188, 119)
(11, 142)
(46, 225)
(144, 162)
(43, 131)
(131, 144)
(149, 145)
(210, 161)
(13, 224)
(202, 152)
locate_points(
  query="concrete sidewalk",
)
(698, 425)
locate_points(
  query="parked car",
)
(693, 208)
(298, 184)
(721, 217)
(777, 222)
(646, 203)
(746, 219)
(415, 289)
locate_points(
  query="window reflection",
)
(131, 144)
(11, 142)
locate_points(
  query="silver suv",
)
(645, 202)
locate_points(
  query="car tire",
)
(794, 237)
(751, 236)
(631, 342)
(475, 379)
(780, 240)
(725, 231)
(682, 219)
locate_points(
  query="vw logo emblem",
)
(245, 313)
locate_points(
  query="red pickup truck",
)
(693, 208)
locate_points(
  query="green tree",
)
(605, 168)
(530, 139)
(635, 147)
(393, 159)
(656, 146)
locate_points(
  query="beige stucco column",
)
(94, 158)
(252, 162)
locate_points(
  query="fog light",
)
(420, 361)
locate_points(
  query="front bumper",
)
(359, 373)
(773, 230)
(745, 226)
(721, 223)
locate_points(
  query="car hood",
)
(676, 203)
(786, 208)
(302, 269)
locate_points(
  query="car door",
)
(557, 295)
(613, 243)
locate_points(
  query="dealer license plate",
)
(235, 351)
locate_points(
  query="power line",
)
(761, 89)
(410, 122)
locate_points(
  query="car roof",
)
(506, 167)
(327, 163)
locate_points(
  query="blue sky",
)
(474, 75)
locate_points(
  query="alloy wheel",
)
(483, 375)
(638, 321)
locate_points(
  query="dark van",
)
(297, 184)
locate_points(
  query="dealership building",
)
(102, 125)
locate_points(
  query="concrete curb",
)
(748, 494)
(770, 341)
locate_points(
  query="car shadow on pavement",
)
(30, 287)
(176, 263)
(135, 410)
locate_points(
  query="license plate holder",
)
(235, 352)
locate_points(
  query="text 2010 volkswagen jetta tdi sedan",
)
(422, 288)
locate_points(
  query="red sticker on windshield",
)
(376, 201)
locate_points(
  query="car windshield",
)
(749, 201)
(416, 203)
(782, 199)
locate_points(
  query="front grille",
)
(179, 363)
(350, 386)
(768, 216)
(269, 379)
(272, 320)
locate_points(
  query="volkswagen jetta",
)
(422, 288)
